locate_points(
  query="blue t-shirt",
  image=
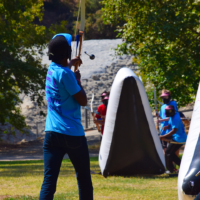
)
(163, 116)
(175, 122)
(63, 114)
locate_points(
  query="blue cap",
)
(67, 36)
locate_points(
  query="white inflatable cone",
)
(189, 172)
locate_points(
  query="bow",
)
(81, 32)
(92, 112)
(91, 103)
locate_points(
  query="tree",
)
(21, 45)
(94, 25)
(96, 29)
(164, 38)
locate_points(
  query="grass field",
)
(22, 180)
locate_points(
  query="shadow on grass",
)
(33, 170)
(38, 161)
(162, 176)
(147, 176)
(36, 167)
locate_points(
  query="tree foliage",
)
(21, 45)
(96, 29)
(94, 25)
(164, 37)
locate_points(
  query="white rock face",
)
(97, 76)
(104, 56)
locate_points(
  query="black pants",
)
(55, 146)
(170, 156)
(164, 144)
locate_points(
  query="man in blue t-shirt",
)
(166, 97)
(177, 134)
(64, 131)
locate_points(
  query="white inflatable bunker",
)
(189, 173)
(130, 143)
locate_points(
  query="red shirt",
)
(102, 110)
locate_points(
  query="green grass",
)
(21, 180)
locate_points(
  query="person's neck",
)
(64, 62)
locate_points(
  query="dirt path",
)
(33, 150)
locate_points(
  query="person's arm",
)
(172, 132)
(159, 120)
(173, 122)
(101, 122)
(99, 111)
(80, 96)
(166, 127)
(72, 84)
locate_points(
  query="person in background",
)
(103, 95)
(166, 97)
(102, 111)
(64, 132)
(93, 114)
(176, 134)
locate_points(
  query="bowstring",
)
(74, 49)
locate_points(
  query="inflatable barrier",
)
(189, 173)
(130, 143)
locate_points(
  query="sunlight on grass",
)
(22, 180)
